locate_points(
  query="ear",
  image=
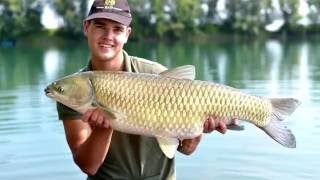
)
(85, 27)
(128, 32)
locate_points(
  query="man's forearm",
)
(91, 154)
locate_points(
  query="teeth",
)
(106, 45)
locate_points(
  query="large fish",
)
(171, 106)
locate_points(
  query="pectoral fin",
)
(235, 127)
(113, 114)
(168, 146)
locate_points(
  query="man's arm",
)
(89, 140)
(188, 146)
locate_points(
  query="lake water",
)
(32, 142)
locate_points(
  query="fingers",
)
(209, 125)
(222, 127)
(97, 118)
(233, 120)
(213, 123)
(87, 115)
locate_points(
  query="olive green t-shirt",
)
(130, 156)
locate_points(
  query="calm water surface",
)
(32, 142)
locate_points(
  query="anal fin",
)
(168, 146)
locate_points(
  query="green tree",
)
(161, 17)
(141, 13)
(185, 17)
(246, 16)
(290, 15)
(169, 18)
(314, 14)
(19, 17)
(209, 15)
(73, 13)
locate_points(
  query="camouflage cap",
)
(116, 10)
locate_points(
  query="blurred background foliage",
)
(19, 17)
(170, 19)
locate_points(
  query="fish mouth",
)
(48, 92)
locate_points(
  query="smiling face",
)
(106, 39)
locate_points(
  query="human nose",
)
(107, 33)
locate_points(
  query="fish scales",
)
(170, 106)
(178, 106)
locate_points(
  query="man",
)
(97, 149)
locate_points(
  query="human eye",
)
(99, 26)
(119, 29)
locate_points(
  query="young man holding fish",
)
(97, 149)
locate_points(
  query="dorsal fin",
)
(181, 72)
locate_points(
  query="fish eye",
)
(60, 89)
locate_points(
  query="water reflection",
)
(53, 61)
(32, 137)
(275, 54)
(222, 61)
(304, 80)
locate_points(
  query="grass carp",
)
(170, 106)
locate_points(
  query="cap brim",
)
(112, 16)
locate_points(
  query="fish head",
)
(74, 91)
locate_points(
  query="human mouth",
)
(105, 45)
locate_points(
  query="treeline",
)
(170, 18)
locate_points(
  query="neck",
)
(116, 64)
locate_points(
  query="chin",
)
(106, 56)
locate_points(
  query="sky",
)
(51, 20)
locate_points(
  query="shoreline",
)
(48, 38)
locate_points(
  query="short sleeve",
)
(65, 112)
(146, 66)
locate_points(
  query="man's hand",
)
(89, 139)
(96, 118)
(188, 146)
(212, 124)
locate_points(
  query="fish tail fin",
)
(281, 109)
